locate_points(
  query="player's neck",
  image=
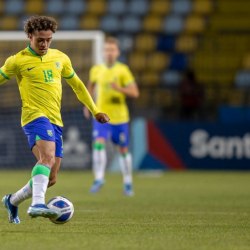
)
(33, 51)
(110, 64)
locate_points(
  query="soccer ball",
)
(64, 207)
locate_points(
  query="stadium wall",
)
(156, 145)
(15, 152)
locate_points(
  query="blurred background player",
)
(110, 83)
(38, 70)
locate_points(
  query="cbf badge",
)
(50, 133)
(57, 65)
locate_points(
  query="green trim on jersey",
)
(5, 76)
(40, 169)
(32, 51)
(69, 77)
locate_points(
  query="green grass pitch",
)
(175, 211)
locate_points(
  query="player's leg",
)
(99, 159)
(41, 171)
(35, 131)
(12, 201)
(99, 156)
(35, 188)
(26, 192)
(58, 155)
(55, 168)
(41, 137)
(125, 160)
(120, 136)
(51, 157)
(54, 171)
(40, 179)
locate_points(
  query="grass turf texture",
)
(186, 210)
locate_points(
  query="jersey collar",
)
(109, 67)
(33, 52)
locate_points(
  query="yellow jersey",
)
(109, 100)
(39, 82)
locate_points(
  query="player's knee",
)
(51, 160)
(48, 159)
(123, 150)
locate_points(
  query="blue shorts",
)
(42, 129)
(118, 133)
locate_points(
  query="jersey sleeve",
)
(8, 69)
(67, 71)
(127, 77)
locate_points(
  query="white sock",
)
(99, 163)
(21, 195)
(126, 167)
(39, 188)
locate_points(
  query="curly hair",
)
(38, 23)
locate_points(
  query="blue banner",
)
(193, 146)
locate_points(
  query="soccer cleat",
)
(96, 186)
(41, 210)
(11, 209)
(128, 190)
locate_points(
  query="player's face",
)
(40, 41)
(111, 53)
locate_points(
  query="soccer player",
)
(112, 82)
(38, 70)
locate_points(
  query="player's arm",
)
(7, 70)
(80, 90)
(131, 90)
(91, 87)
(129, 86)
(85, 98)
(3, 77)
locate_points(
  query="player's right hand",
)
(102, 117)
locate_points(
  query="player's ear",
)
(29, 35)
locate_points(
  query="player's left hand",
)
(102, 117)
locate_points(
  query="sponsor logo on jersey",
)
(30, 68)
